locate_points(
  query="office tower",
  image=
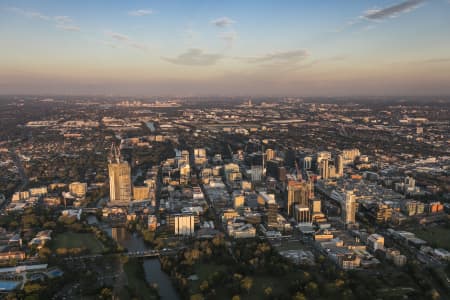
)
(272, 212)
(78, 189)
(307, 163)
(119, 179)
(257, 173)
(340, 165)
(323, 155)
(270, 154)
(302, 214)
(349, 210)
(298, 193)
(183, 224)
(324, 169)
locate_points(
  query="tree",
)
(32, 288)
(196, 297)
(312, 288)
(268, 291)
(299, 296)
(204, 286)
(246, 283)
(105, 294)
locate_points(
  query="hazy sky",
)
(145, 48)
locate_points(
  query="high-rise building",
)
(324, 169)
(272, 212)
(340, 165)
(119, 179)
(270, 154)
(257, 173)
(183, 224)
(298, 193)
(349, 208)
(307, 163)
(302, 214)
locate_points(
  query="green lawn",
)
(77, 240)
(137, 288)
(436, 236)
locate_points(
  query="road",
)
(20, 168)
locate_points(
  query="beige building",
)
(141, 193)
(298, 193)
(238, 201)
(349, 211)
(78, 189)
(119, 180)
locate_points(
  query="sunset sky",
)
(148, 48)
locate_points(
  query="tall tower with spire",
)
(119, 178)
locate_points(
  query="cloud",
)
(126, 40)
(140, 12)
(223, 22)
(293, 56)
(119, 36)
(63, 19)
(61, 22)
(195, 57)
(380, 14)
(392, 11)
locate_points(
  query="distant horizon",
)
(237, 97)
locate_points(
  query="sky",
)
(225, 48)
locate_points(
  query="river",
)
(152, 266)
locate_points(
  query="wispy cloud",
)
(380, 14)
(61, 22)
(126, 40)
(223, 22)
(63, 19)
(195, 57)
(392, 11)
(118, 36)
(140, 12)
(293, 56)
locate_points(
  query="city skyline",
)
(149, 48)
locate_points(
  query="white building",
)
(184, 224)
